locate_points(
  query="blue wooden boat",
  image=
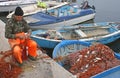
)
(40, 36)
(68, 14)
(110, 32)
(105, 32)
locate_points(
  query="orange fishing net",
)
(8, 69)
(90, 61)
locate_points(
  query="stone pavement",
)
(4, 45)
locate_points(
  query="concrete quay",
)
(44, 67)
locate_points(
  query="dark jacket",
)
(13, 27)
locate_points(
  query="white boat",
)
(7, 6)
(32, 9)
(66, 15)
(3, 0)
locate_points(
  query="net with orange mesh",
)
(90, 61)
(8, 69)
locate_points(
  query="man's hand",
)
(28, 35)
(21, 35)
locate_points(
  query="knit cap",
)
(18, 11)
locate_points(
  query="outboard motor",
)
(93, 7)
(85, 5)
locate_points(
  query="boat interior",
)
(86, 32)
(65, 10)
(70, 49)
(78, 33)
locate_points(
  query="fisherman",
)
(18, 34)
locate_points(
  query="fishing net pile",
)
(90, 61)
(8, 69)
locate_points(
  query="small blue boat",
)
(40, 36)
(65, 15)
(68, 46)
(73, 46)
(105, 32)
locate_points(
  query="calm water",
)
(106, 11)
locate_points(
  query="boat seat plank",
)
(81, 33)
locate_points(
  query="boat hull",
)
(68, 46)
(107, 33)
(104, 39)
(110, 73)
(9, 8)
(60, 25)
(32, 9)
(46, 43)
